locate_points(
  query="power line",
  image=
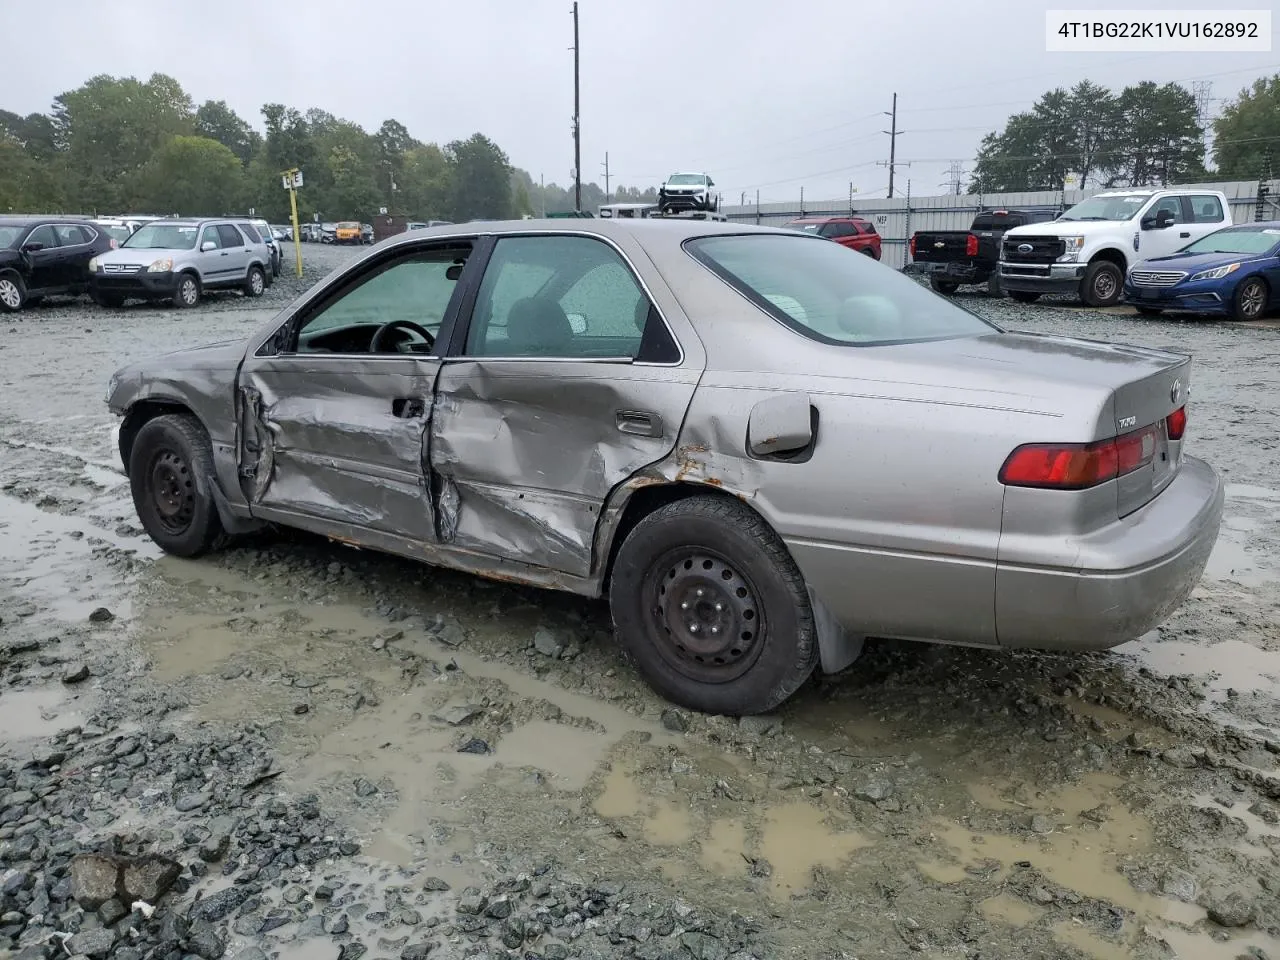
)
(955, 177)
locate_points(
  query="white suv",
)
(688, 191)
(1088, 249)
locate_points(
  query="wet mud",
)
(929, 801)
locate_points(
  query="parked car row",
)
(177, 260)
(1158, 249)
(345, 231)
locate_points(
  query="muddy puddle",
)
(38, 712)
(1226, 664)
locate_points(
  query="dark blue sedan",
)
(1233, 272)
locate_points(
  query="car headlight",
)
(1071, 249)
(1217, 273)
(93, 265)
(163, 265)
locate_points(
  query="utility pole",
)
(577, 121)
(893, 132)
(606, 176)
(542, 189)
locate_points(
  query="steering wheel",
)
(375, 344)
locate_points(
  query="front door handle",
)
(1184, 236)
(226, 253)
(408, 408)
(640, 423)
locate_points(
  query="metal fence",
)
(899, 218)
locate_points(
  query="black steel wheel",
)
(945, 287)
(710, 606)
(170, 473)
(1102, 285)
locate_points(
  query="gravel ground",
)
(293, 749)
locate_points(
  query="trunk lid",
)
(1146, 402)
(941, 246)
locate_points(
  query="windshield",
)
(9, 235)
(348, 225)
(119, 234)
(163, 236)
(832, 293)
(1106, 208)
(1243, 240)
(804, 227)
(687, 179)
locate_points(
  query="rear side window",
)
(72, 234)
(867, 227)
(838, 229)
(251, 232)
(1206, 209)
(832, 293)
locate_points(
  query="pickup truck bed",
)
(954, 257)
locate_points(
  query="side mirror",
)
(780, 424)
(33, 246)
(577, 323)
(207, 246)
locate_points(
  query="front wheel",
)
(255, 283)
(946, 287)
(170, 470)
(1024, 296)
(1102, 284)
(712, 609)
(13, 293)
(187, 292)
(1250, 299)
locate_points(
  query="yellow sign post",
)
(291, 180)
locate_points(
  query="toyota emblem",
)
(1025, 248)
(1175, 392)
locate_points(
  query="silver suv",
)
(179, 260)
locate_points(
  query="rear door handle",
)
(407, 408)
(640, 423)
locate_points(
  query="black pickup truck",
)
(953, 257)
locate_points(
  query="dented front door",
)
(345, 441)
(335, 410)
(570, 382)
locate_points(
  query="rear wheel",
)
(1102, 284)
(186, 293)
(13, 293)
(712, 609)
(947, 287)
(170, 469)
(1250, 299)
(1024, 296)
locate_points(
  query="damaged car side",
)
(759, 446)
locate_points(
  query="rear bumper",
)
(960, 271)
(1159, 554)
(1037, 278)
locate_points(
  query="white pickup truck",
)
(1088, 249)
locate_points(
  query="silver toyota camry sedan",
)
(761, 446)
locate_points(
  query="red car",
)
(853, 232)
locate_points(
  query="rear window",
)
(832, 293)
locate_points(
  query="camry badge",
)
(1175, 392)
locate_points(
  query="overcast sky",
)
(764, 95)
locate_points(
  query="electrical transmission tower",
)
(1202, 90)
(955, 177)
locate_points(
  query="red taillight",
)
(911, 247)
(1077, 466)
(1176, 423)
(971, 246)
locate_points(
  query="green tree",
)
(217, 121)
(1160, 141)
(192, 176)
(110, 128)
(425, 188)
(353, 194)
(1247, 135)
(481, 179)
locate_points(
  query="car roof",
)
(647, 230)
(1254, 225)
(838, 216)
(21, 219)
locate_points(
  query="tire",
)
(13, 293)
(1102, 285)
(1024, 296)
(1150, 311)
(170, 462)
(946, 287)
(255, 283)
(1249, 302)
(994, 287)
(870, 252)
(108, 300)
(186, 291)
(720, 546)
